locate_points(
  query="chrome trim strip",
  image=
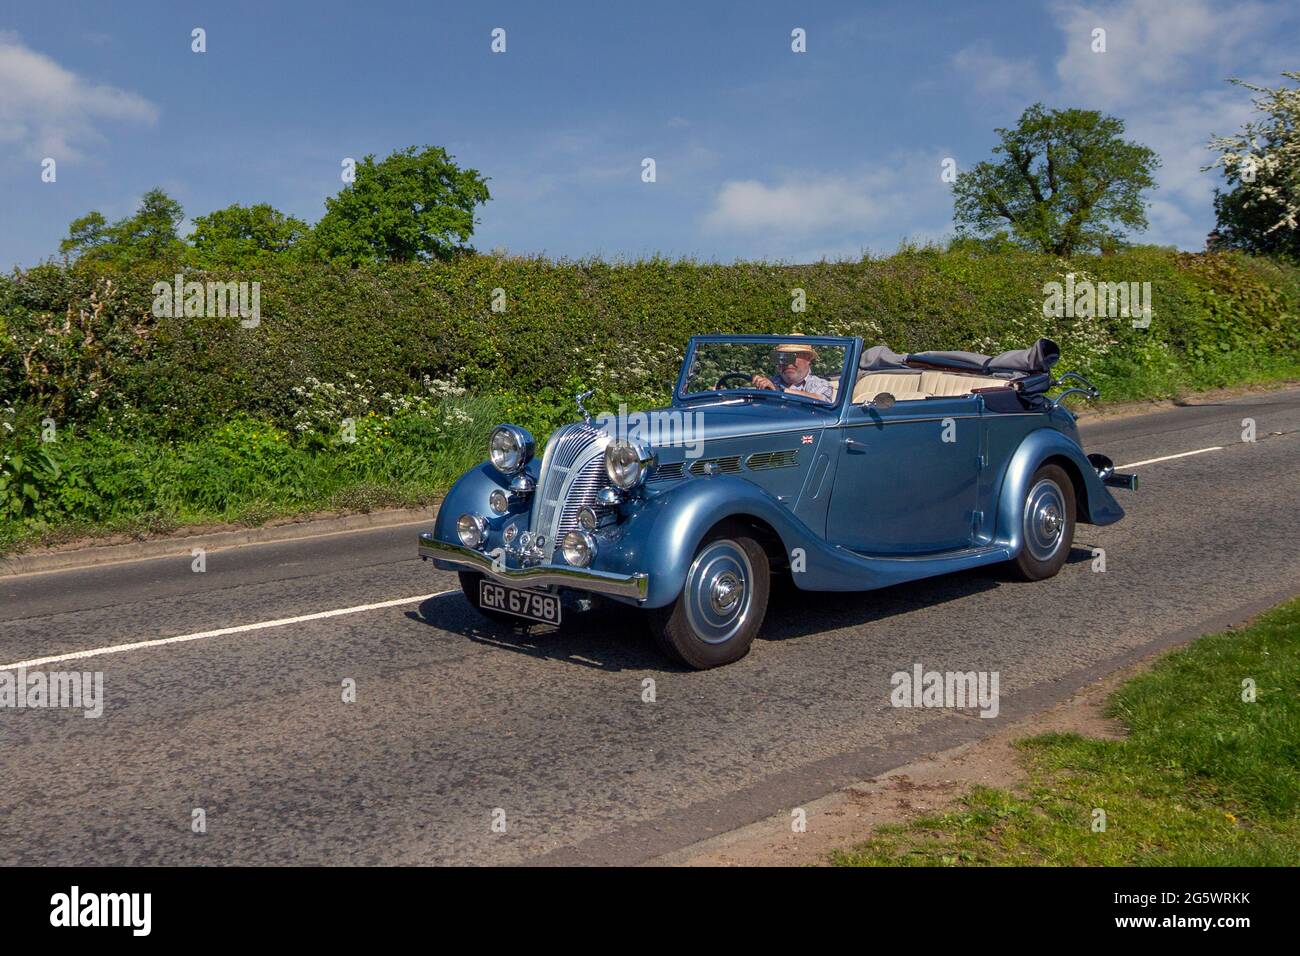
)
(975, 551)
(873, 423)
(938, 417)
(634, 586)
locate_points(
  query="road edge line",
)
(97, 556)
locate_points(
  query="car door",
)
(908, 477)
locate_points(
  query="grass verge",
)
(1205, 777)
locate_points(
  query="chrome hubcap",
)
(726, 590)
(1044, 519)
(717, 596)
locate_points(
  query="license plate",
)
(532, 605)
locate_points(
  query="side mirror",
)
(882, 400)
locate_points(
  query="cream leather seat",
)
(904, 386)
(948, 384)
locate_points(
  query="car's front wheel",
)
(1047, 524)
(722, 605)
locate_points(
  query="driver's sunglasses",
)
(786, 358)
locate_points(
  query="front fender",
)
(662, 532)
(470, 494)
(1095, 503)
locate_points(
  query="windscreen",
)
(791, 369)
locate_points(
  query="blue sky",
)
(760, 152)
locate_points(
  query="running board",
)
(996, 552)
(838, 568)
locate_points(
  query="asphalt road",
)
(456, 718)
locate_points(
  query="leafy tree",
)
(149, 234)
(242, 235)
(1066, 181)
(86, 233)
(1261, 212)
(412, 205)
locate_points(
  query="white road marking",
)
(1152, 461)
(220, 632)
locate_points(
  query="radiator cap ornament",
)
(579, 398)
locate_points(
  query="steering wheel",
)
(726, 377)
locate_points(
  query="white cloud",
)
(1163, 72)
(1181, 210)
(804, 216)
(990, 73)
(1153, 46)
(805, 205)
(1159, 56)
(46, 110)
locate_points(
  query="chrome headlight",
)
(472, 530)
(510, 448)
(578, 548)
(499, 501)
(627, 463)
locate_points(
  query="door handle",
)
(855, 447)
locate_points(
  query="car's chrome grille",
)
(573, 471)
(573, 442)
(582, 493)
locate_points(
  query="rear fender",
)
(1096, 505)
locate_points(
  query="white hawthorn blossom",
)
(1264, 158)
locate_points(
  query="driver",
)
(794, 373)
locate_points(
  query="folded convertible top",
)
(1038, 358)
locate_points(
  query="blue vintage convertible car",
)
(846, 467)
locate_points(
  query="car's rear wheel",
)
(469, 581)
(722, 605)
(1046, 524)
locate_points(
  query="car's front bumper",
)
(633, 587)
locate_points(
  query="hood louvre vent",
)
(727, 465)
(667, 472)
(765, 460)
